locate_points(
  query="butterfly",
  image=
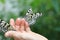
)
(30, 17)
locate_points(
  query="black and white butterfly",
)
(30, 17)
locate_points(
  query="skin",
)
(23, 31)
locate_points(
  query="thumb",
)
(13, 34)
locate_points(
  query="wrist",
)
(38, 37)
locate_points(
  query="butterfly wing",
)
(4, 27)
(31, 17)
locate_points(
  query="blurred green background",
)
(47, 25)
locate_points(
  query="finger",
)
(22, 24)
(18, 22)
(13, 34)
(12, 23)
(27, 28)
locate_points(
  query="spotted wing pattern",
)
(31, 17)
(4, 27)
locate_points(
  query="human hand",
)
(23, 31)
